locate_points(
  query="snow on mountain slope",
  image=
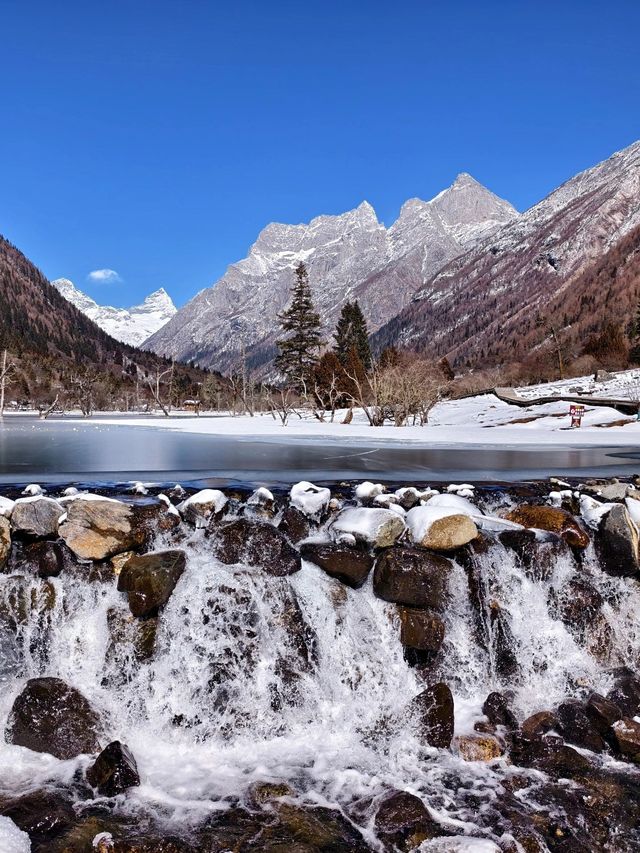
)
(482, 306)
(129, 325)
(348, 256)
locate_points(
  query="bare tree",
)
(7, 369)
(154, 387)
(81, 391)
(281, 403)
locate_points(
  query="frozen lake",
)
(70, 450)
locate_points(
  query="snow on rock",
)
(33, 489)
(139, 488)
(373, 526)
(171, 509)
(592, 511)
(442, 528)
(556, 498)
(633, 508)
(199, 508)
(309, 499)
(457, 502)
(6, 506)
(367, 491)
(260, 497)
(459, 844)
(409, 495)
(12, 839)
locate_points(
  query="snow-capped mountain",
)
(483, 306)
(348, 256)
(129, 325)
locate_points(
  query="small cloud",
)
(104, 277)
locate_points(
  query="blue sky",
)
(156, 139)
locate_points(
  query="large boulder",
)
(617, 543)
(5, 541)
(36, 517)
(309, 499)
(577, 728)
(549, 755)
(538, 724)
(149, 580)
(50, 716)
(602, 713)
(114, 770)
(99, 528)
(294, 524)
(496, 709)
(379, 528)
(440, 528)
(413, 577)
(537, 552)
(432, 713)
(44, 815)
(553, 519)
(348, 565)
(403, 821)
(255, 543)
(420, 629)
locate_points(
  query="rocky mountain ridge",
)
(130, 325)
(349, 256)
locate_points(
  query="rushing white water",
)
(298, 679)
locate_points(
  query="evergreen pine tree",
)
(301, 324)
(352, 333)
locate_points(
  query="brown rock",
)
(294, 524)
(626, 692)
(432, 711)
(538, 724)
(446, 533)
(5, 541)
(413, 577)
(255, 543)
(403, 821)
(552, 519)
(496, 709)
(36, 518)
(617, 543)
(602, 712)
(97, 529)
(549, 756)
(347, 564)
(578, 603)
(627, 734)
(43, 815)
(478, 747)
(420, 629)
(537, 553)
(576, 727)
(50, 716)
(114, 770)
(149, 580)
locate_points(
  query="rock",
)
(114, 770)
(496, 709)
(255, 543)
(504, 656)
(379, 528)
(309, 499)
(617, 543)
(25, 599)
(537, 552)
(5, 541)
(36, 517)
(101, 528)
(578, 603)
(149, 580)
(549, 756)
(538, 724)
(129, 633)
(264, 792)
(301, 829)
(50, 716)
(478, 747)
(403, 822)
(432, 711)
(43, 815)
(602, 713)
(200, 508)
(294, 525)
(440, 528)
(43, 558)
(420, 629)
(576, 727)
(626, 692)
(348, 565)
(118, 562)
(413, 577)
(627, 734)
(552, 519)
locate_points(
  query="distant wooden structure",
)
(509, 395)
(192, 406)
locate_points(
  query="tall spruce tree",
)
(301, 324)
(352, 333)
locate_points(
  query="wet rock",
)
(617, 543)
(413, 577)
(403, 822)
(496, 709)
(25, 599)
(149, 580)
(255, 543)
(127, 632)
(432, 712)
(43, 815)
(602, 713)
(504, 656)
(551, 757)
(539, 724)
(98, 529)
(348, 565)
(378, 528)
(203, 507)
(440, 529)
(299, 829)
(43, 558)
(477, 747)
(577, 728)
(626, 692)
(294, 525)
(627, 734)
(36, 517)
(5, 541)
(114, 770)
(420, 629)
(578, 603)
(264, 792)
(50, 716)
(536, 552)
(552, 519)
